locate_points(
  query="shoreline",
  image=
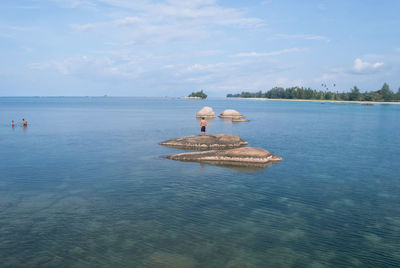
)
(322, 101)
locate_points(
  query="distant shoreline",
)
(190, 98)
(303, 100)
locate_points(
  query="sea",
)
(86, 184)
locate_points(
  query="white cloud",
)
(130, 20)
(363, 67)
(251, 73)
(75, 3)
(14, 28)
(166, 38)
(83, 27)
(171, 11)
(286, 82)
(266, 2)
(272, 53)
(86, 66)
(254, 74)
(147, 21)
(302, 36)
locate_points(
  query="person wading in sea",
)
(24, 122)
(203, 124)
(12, 123)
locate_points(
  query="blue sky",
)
(174, 47)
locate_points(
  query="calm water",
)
(86, 185)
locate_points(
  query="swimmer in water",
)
(24, 122)
(12, 123)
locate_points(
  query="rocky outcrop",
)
(214, 141)
(206, 112)
(231, 114)
(246, 155)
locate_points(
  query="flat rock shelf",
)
(246, 155)
(214, 141)
(236, 120)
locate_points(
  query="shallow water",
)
(86, 185)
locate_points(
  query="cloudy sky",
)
(173, 47)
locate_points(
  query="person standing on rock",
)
(203, 124)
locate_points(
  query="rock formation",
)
(246, 155)
(206, 112)
(231, 114)
(214, 141)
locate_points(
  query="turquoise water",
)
(87, 185)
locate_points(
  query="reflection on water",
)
(241, 167)
(237, 166)
(91, 190)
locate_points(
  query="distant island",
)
(198, 95)
(385, 94)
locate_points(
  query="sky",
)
(175, 47)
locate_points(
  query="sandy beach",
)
(322, 101)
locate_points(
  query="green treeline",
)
(383, 94)
(199, 94)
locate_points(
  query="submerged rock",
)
(214, 141)
(206, 112)
(231, 114)
(237, 120)
(239, 156)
